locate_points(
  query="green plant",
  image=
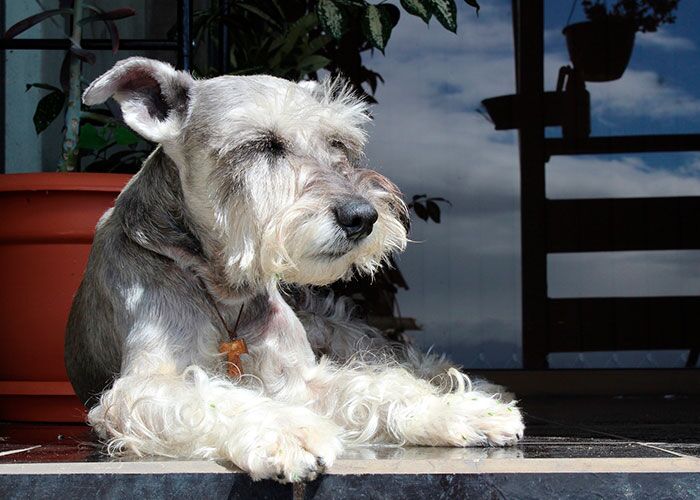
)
(295, 39)
(646, 15)
(92, 133)
(291, 39)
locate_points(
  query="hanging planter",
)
(600, 50)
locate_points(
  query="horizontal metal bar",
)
(623, 144)
(623, 323)
(623, 224)
(86, 43)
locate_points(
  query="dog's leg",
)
(334, 332)
(379, 401)
(388, 403)
(192, 414)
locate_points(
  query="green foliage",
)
(294, 39)
(53, 104)
(24, 24)
(332, 19)
(377, 23)
(110, 146)
(420, 8)
(646, 15)
(475, 4)
(91, 138)
(445, 11)
(49, 107)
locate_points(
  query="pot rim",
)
(63, 181)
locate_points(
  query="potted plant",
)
(601, 47)
(47, 231)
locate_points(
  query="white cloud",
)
(661, 39)
(642, 93)
(624, 274)
(591, 177)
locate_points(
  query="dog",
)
(257, 184)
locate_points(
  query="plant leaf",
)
(433, 211)
(30, 21)
(108, 18)
(420, 210)
(125, 136)
(331, 18)
(44, 86)
(420, 8)
(377, 23)
(90, 138)
(312, 63)
(259, 12)
(286, 42)
(475, 4)
(419, 196)
(48, 108)
(316, 44)
(113, 34)
(437, 198)
(82, 54)
(111, 15)
(392, 11)
(446, 12)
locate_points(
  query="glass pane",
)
(463, 273)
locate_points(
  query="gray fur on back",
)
(132, 253)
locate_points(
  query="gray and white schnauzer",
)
(257, 184)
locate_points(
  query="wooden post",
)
(528, 24)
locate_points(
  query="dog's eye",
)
(338, 144)
(273, 145)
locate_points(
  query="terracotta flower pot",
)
(48, 222)
(600, 50)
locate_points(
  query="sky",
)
(429, 138)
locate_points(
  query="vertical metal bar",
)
(224, 39)
(69, 160)
(529, 24)
(184, 18)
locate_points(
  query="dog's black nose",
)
(356, 217)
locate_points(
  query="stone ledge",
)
(380, 466)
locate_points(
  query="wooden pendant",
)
(233, 350)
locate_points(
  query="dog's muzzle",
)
(356, 217)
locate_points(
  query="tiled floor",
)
(557, 428)
(574, 447)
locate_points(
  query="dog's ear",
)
(153, 96)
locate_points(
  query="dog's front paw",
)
(503, 427)
(466, 419)
(300, 449)
(480, 419)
